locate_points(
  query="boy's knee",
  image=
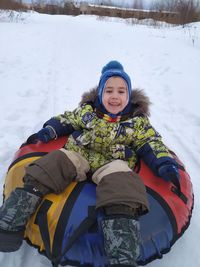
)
(80, 163)
(119, 187)
(57, 170)
(116, 166)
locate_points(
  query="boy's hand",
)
(46, 134)
(169, 172)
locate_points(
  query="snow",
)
(47, 62)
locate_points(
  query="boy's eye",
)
(108, 91)
(122, 92)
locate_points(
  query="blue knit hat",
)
(113, 68)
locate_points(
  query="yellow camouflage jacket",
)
(101, 141)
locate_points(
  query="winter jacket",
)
(101, 141)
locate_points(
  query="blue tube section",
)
(156, 232)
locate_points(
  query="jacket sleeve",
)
(66, 123)
(149, 145)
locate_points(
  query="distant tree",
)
(138, 4)
(156, 5)
(12, 5)
(107, 2)
(189, 10)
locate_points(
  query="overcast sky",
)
(126, 3)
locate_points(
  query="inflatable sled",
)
(65, 226)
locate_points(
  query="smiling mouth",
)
(114, 104)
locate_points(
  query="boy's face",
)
(115, 95)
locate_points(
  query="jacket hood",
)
(139, 100)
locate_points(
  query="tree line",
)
(189, 10)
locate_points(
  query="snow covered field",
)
(47, 62)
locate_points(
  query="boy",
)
(107, 133)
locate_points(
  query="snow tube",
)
(65, 226)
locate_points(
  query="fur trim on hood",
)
(139, 100)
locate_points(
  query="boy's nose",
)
(114, 95)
